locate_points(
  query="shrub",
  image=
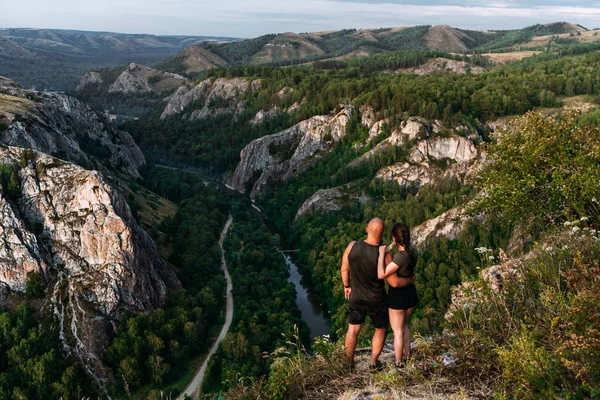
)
(34, 286)
(539, 330)
(542, 170)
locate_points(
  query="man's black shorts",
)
(379, 316)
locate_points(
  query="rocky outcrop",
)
(406, 174)
(71, 226)
(451, 157)
(86, 229)
(411, 129)
(367, 116)
(225, 91)
(327, 200)
(455, 148)
(448, 226)
(444, 65)
(63, 126)
(89, 79)
(279, 157)
(19, 249)
(133, 80)
(262, 116)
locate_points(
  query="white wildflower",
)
(575, 229)
(491, 258)
(482, 250)
(584, 219)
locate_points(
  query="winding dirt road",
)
(193, 389)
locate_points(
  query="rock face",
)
(225, 91)
(456, 148)
(279, 157)
(73, 228)
(448, 225)
(69, 224)
(441, 65)
(411, 129)
(89, 79)
(67, 128)
(262, 116)
(326, 200)
(135, 79)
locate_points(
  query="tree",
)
(542, 171)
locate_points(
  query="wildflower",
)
(482, 250)
(491, 258)
(584, 219)
(575, 229)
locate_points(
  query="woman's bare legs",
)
(397, 318)
(406, 335)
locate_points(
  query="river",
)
(312, 311)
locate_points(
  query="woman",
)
(401, 299)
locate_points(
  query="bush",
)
(543, 171)
(537, 333)
(34, 286)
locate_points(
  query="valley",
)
(195, 247)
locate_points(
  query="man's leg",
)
(380, 319)
(351, 338)
(378, 342)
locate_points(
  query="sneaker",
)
(376, 368)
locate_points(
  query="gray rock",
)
(228, 90)
(65, 127)
(71, 226)
(279, 157)
(89, 79)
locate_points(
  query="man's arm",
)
(345, 271)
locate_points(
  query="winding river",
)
(313, 312)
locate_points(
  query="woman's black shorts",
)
(403, 298)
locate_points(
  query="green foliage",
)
(293, 371)
(536, 333)
(34, 287)
(158, 347)
(9, 179)
(265, 310)
(543, 171)
(26, 156)
(239, 52)
(31, 366)
(511, 90)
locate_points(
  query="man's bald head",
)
(375, 228)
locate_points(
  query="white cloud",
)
(252, 18)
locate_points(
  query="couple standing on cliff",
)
(365, 265)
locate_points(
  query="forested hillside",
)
(292, 49)
(347, 172)
(493, 167)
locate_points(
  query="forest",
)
(159, 350)
(539, 81)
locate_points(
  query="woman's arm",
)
(385, 258)
(397, 282)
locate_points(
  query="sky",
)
(251, 18)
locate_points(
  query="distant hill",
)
(55, 59)
(290, 48)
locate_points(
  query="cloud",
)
(251, 18)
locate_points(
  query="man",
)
(367, 293)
